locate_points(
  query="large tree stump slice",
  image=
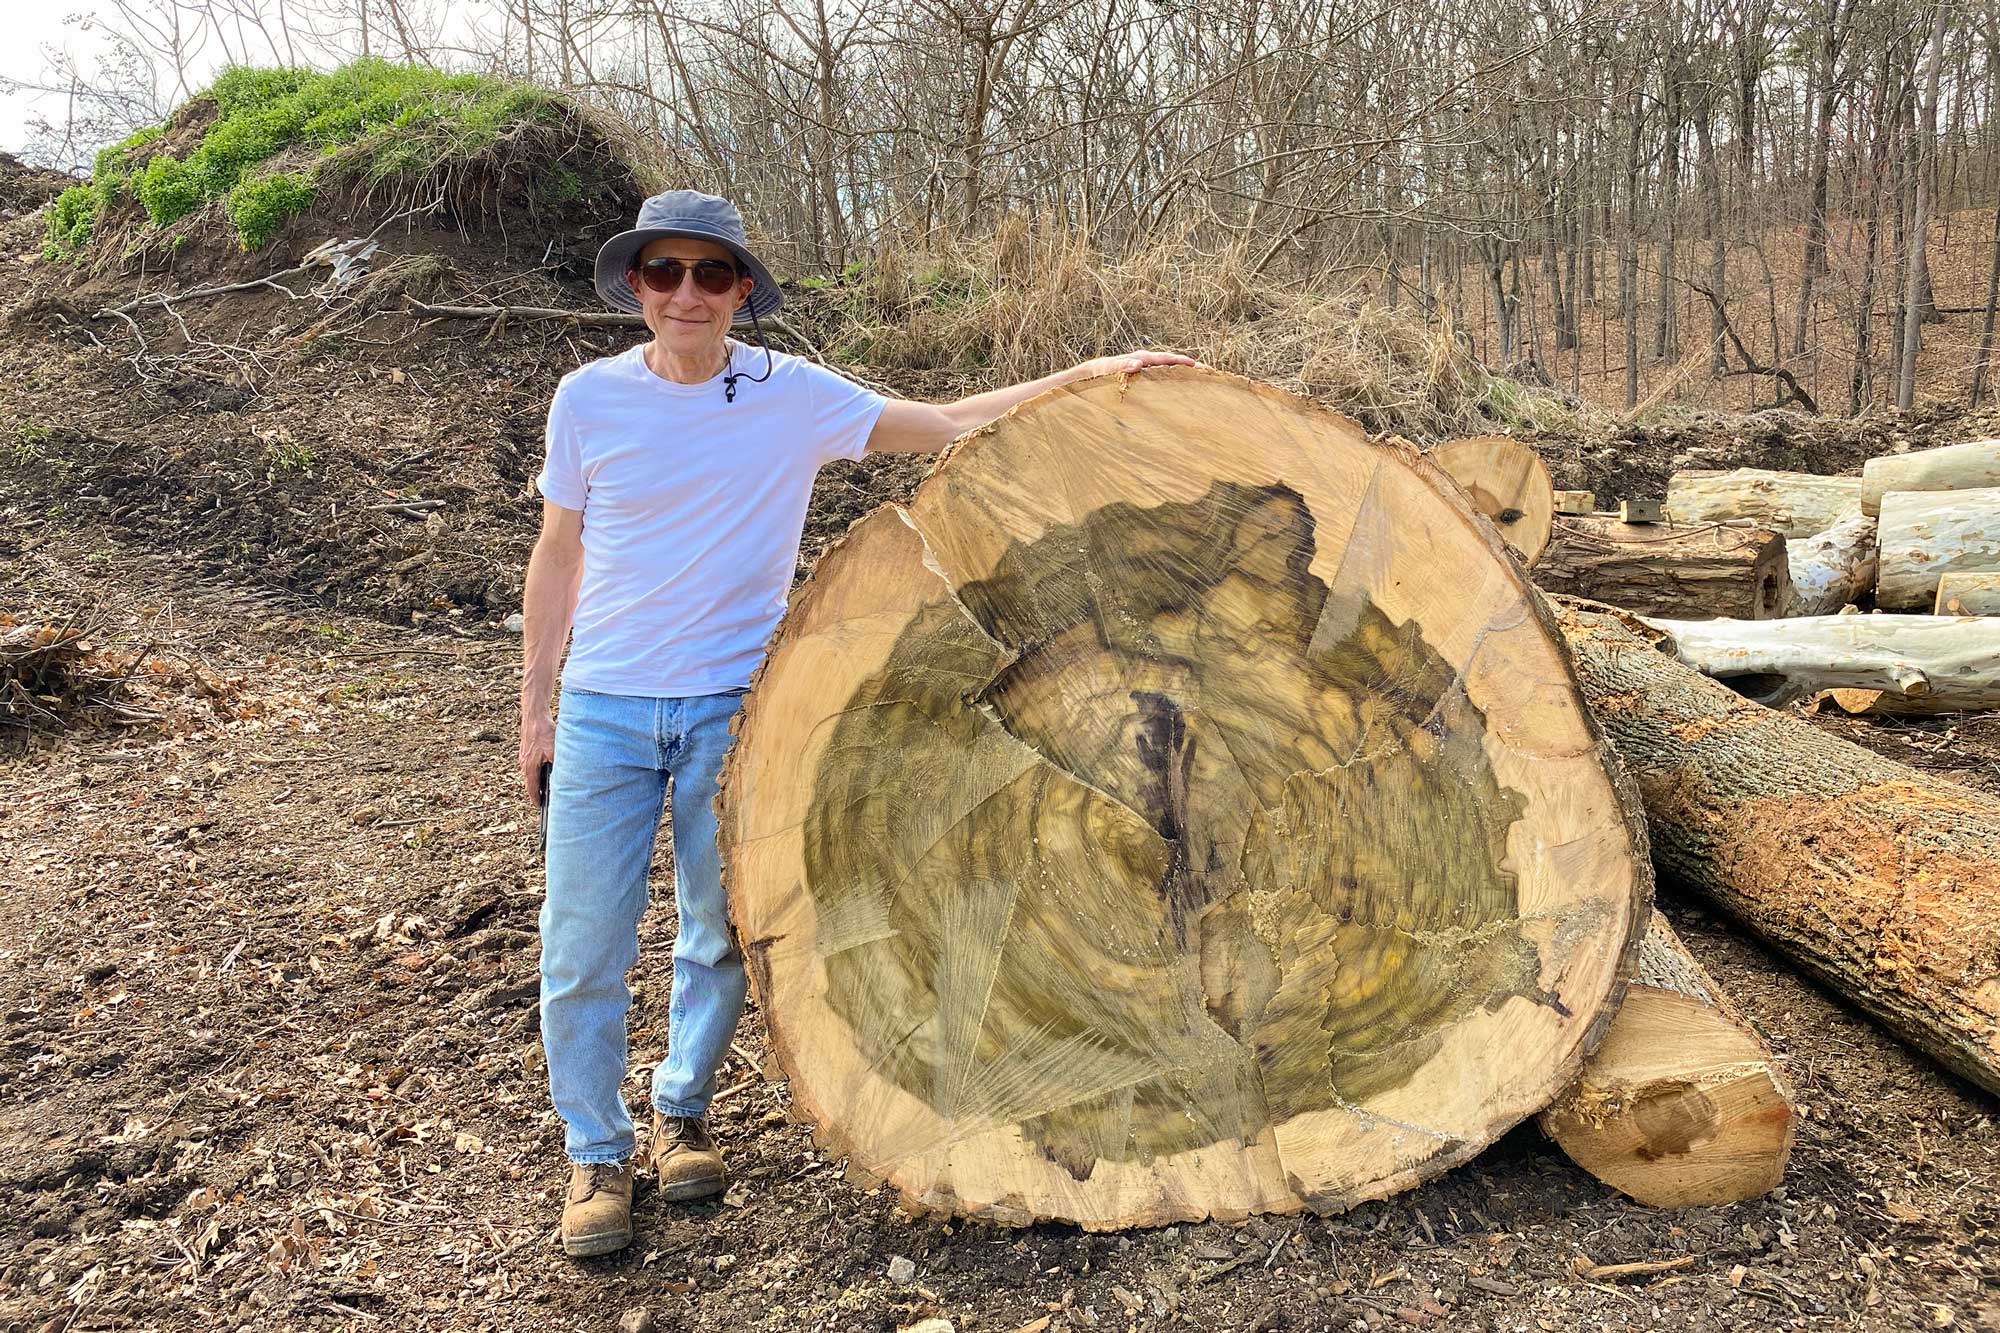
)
(1181, 808)
(1508, 483)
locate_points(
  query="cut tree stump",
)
(1791, 504)
(1182, 808)
(1968, 595)
(1663, 569)
(1509, 483)
(1918, 664)
(1924, 535)
(1682, 1104)
(1881, 881)
(1831, 569)
(1955, 467)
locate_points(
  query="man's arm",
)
(906, 427)
(548, 603)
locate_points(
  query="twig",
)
(168, 299)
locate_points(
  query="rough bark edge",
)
(1624, 790)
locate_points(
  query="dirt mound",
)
(23, 188)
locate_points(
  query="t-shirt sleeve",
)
(843, 413)
(561, 478)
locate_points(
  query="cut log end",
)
(1508, 483)
(1118, 842)
(1682, 1104)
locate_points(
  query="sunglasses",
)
(714, 276)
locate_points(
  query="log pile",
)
(1182, 808)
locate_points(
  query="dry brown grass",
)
(1031, 300)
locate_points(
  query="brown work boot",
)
(597, 1217)
(688, 1161)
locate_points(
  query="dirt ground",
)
(268, 1044)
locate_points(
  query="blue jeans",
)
(614, 754)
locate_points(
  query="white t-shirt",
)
(693, 507)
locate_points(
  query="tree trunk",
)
(1833, 568)
(1922, 664)
(1791, 504)
(1924, 534)
(1915, 293)
(1972, 466)
(1665, 569)
(1815, 266)
(1969, 595)
(1508, 483)
(1984, 365)
(1879, 880)
(1682, 1104)
(1181, 808)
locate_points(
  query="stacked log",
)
(1833, 568)
(1923, 535)
(1669, 569)
(1682, 1104)
(1792, 504)
(1918, 664)
(1881, 881)
(1955, 467)
(1968, 595)
(1182, 808)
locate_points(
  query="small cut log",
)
(1833, 568)
(1682, 1104)
(1791, 504)
(1879, 880)
(1920, 664)
(1968, 594)
(1924, 535)
(1669, 569)
(1974, 465)
(1508, 483)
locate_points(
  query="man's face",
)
(689, 320)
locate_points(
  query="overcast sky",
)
(31, 26)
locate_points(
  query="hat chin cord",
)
(729, 380)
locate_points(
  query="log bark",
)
(1682, 1104)
(1972, 466)
(1508, 483)
(1833, 568)
(1791, 504)
(1968, 595)
(1668, 569)
(1881, 881)
(1920, 664)
(1181, 808)
(1925, 535)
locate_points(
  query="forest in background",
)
(1724, 202)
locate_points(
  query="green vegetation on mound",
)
(368, 121)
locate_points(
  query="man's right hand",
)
(538, 747)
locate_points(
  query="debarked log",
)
(1924, 535)
(1682, 1104)
(1879, 880)
(1974, 465)
(1833, 568)
(1791, 504)
(1921, 664)
(1669, 569)
(1183, 807)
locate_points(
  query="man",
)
(675, 494)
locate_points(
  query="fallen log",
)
(1833, 568)
(1879, 880)
(1791, 504)
(1508, 482)
(1668, 569)
(1924, 535)
(1968, 594)
(1972, 466)
(1181, 808)
(1920, 664)
(1682, 1104)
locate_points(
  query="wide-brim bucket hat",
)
(701, 217)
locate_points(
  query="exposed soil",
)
(270, 1046)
